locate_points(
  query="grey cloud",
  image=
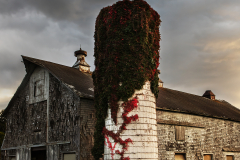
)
(190, 61)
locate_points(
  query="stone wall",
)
(202, 135)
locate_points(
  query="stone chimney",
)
(209, 94)
(81, 64)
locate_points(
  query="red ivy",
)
(126, 52)
(127, 107)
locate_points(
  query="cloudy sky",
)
(200, 43)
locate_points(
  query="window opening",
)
(69, 156)
(180, 133)
(230, 157)
(207, 157)
(180, 156)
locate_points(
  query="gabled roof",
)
(80, 82)
(177, 101)
(168, 99)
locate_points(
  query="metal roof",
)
(168, 99)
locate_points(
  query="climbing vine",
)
(127, 107)
(126, 56)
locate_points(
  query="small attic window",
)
(38, 88)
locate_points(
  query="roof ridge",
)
(45, 61)
(183, 92)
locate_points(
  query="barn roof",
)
(72, 77)
(81, 83)
(177, 101)
(168, 99)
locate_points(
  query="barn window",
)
(180, 133)
(207, 157)
(230, 157)
(69, 156)
(180, 156)
(37, 136)
(38, 88)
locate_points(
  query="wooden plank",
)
(180, 133)
(187, 124)
(231, 149)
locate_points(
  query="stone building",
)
(51, 116)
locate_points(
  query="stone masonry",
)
(202, 135)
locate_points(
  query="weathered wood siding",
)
(87, 129)
(64, 117)
(62, 121)
(23, 120)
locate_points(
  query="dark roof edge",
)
(197, 114)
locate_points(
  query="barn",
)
(51, 116)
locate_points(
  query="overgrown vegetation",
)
(126, 56)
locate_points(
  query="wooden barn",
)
(51, 117)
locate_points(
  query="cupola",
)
(209, 94)
(160, 82)
(81, 64)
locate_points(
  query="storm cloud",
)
(199, 46)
